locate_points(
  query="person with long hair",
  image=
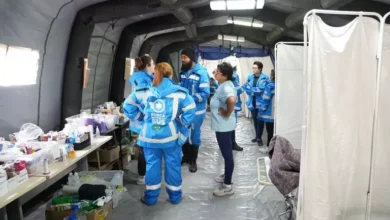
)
(223, 122)
(140, 81)
(195, 78)
(266, 108)
(168, 112)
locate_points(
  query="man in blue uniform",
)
(254, 88)
(196, 80)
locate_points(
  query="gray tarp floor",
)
(251, 200)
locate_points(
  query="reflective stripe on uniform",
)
(175, 97)
(174, 188)
(204, 85)
(174, 136)
(137, 116)
(183, 138)
(199, 97)
(153, 187)
(144, 96)
(194, 77)
(135, 124)
(131, 102)
(201, 112)
(189, 107)
(266, 117)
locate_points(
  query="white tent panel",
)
(340, 109)
(380, 190)
(26, 24)
(289, 93)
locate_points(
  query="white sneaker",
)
(224, 190)
(141, 180)
(264, 150)
(220, 179)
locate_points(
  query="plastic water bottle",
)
(70, 179)
(76, 179)
(76, 215)
(117, 180)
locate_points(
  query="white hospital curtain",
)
(289, 93)
(380, 189)
(341, 96)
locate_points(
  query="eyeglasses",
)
(254, 68)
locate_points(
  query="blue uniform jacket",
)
(136, 117)
(197, 82)
(266, 107)
(239, 90)
(255, 92)
(169, 111)
(140, 79)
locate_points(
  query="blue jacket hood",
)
(166, 87)
(140, 76)
(198, 67)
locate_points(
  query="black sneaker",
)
(254, 140)
(237, 148)
(184, 161)
(260, 143)
(193, 167)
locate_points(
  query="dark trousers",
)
(190, 152)
(225, 145)
(258, 124)
(270, 130)
(141, 162)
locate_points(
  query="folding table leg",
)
(3, 214)
(15, 211)
(82, 165)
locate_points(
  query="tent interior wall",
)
(106, 32)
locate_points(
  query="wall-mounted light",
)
(236, 4)
(231, 38)
(244, 21)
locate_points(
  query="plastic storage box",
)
(110, 178)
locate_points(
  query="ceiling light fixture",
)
(236, 4)
(231, 38)
(244, 21)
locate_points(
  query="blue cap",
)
(75, 207)
(72, 217)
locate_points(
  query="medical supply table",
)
(11, 203)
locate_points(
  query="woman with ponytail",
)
(169, 111)
(140, 81)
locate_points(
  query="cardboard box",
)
(104, 213)
(106, 156)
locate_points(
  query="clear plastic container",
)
(110, 178)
